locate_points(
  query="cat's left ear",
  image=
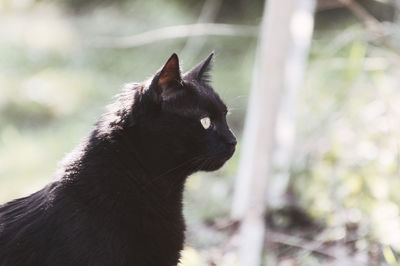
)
(201, 71)
(168, 81)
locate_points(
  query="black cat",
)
(117, 199)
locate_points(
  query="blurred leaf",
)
(190, 257)
(356, 59)
(389, 256)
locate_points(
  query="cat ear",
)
(168, 80)
(170, 73)
(201, 71)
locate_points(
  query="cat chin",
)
(213, 165)
(217, 162)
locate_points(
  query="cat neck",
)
(108, 179)
(115, 167)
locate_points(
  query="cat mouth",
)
(213, 165)
(230, 152)
(216, 162)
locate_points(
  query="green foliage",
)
(347, 171)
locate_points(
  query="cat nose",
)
(231, 139)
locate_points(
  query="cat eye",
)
(205, 122)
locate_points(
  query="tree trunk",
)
(397, 11)
(283, 21)
(302, 24)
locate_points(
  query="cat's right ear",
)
(168, 81)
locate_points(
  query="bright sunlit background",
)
(60, 64)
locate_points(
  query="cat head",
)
(179, 119)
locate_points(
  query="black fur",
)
(117, 198)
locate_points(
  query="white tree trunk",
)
(301, 27)
(397, 11)
(279, 27)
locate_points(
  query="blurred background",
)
(334, 179)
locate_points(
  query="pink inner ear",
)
(170, 71)
(167, 77)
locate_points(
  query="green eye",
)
(205, 122)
